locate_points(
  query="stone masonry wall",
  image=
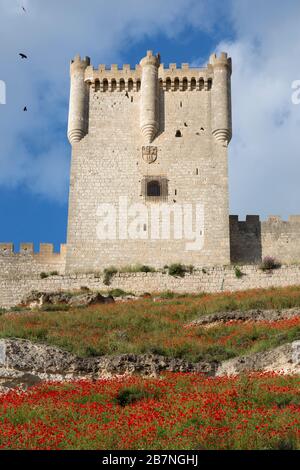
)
(217, 279)
(108, 164)
(26, 263)
(251, 240)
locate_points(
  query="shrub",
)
(129, 395)
(118, 293)
(147, 269)
(44, 275)
(269, 263)
(108, 274)
(177, 269)
(137, 268)
(238, 272)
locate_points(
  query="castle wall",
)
(107, 164)
(217, 279)
(26, 263)
(252, 240)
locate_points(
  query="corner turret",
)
(149, 96)
(221, 98)
(79, 100)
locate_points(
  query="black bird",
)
(25, 109)
(23, 8)
(23, 56)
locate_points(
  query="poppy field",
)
(176, 411)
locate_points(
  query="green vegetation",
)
(129, 395)
(160, 327)
(108, 275)
(44, 275)
(180, 270)
(137, 268)
(238, 272)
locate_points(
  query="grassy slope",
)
(158, 327)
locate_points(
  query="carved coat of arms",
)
(149, 154)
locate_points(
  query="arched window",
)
(105, 84)
(209, 84)
(193, 84)
(201, 84)
(161, 83)
(130, 84)
(176, 84)
(138, 85)
(97, 85)
(184, 84)
(122, 84)
(168, 84)
(178, 134)
(153, 189)
(113, 85)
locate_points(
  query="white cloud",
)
(264, 154)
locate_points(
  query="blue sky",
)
(263, 39)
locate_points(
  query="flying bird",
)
(23, 56)
(25, 109)
(23, 8)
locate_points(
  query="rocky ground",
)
(244, 316)
(23, 364)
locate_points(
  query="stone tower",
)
(149, 142)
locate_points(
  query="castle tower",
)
(79, 97)
(149, 140)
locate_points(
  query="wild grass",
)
(146, 326)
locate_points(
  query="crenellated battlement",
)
(167, 82)
(27, 264)
(45, 249)
(79, 63)
(127, 78)
(222, 61)
(271, 219)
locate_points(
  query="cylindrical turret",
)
(221, 98)
(79, 100)
(149, 96)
